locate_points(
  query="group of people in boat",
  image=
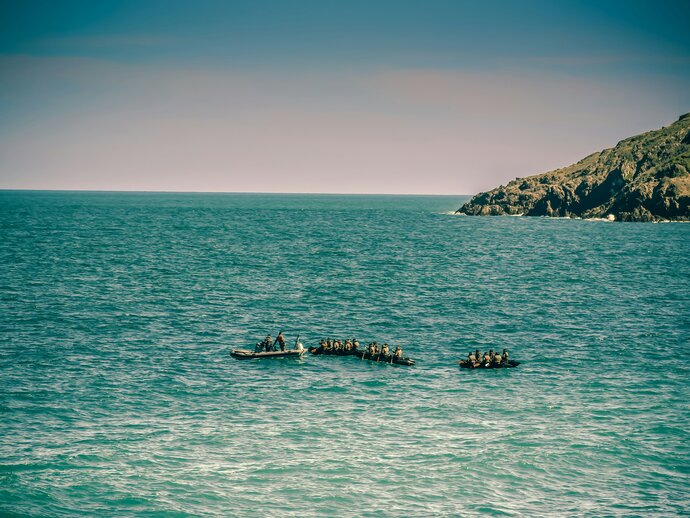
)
(335, 345)
(384, 350)
(490, 359)
(352, 345)
(269, 345)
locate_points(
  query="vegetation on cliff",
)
(642, 178)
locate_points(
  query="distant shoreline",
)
(644, 178)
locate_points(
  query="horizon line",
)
(2, 189)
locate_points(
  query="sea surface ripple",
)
(118, 396)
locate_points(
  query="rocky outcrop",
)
(642, 178)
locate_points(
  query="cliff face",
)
(643, 178)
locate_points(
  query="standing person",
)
(280, 340)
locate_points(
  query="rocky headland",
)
(642, 178)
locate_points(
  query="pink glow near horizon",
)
(106, 126)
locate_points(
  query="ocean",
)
(118, 396)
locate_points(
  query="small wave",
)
(605, 220)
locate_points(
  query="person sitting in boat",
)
(478, 359)
(280, 340)
(355, 344)
(329, 344)
(398, 353)
(471, 358)
(348, 345)
(268, 341)
(504, 356)
(496, 360)
(385, 350)
(487, 359)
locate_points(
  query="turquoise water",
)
(118, 396)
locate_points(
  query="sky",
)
(376, 96)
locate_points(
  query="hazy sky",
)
(445, 97)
